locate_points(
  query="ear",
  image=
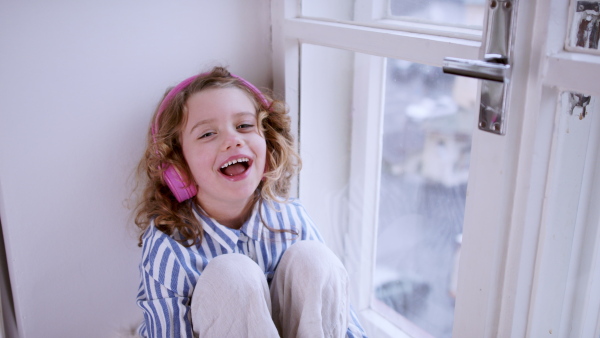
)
(179, 185)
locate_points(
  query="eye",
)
(245, 126)
(205, 135)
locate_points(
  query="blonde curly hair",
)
(163, 148)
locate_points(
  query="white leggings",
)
(308, 296)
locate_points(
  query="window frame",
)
(512, 250)
(290, 32)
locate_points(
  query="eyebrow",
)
(244, 113)
(201, 122)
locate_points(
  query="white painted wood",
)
(394, 319)
(325, 134)
(414, 47)
(286, 68)
(575, 72)
(365, 169)
(553, 287)
(516, 245)
(417, 27)
(492, 232)
(536, 189)
(582, 300)
(278, 47)
(587, 310)
(527, 209)
(559, 219)
(378, 326)
(571, 30)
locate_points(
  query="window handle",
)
(494, 69)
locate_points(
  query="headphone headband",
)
(179, 186)
(185, 83)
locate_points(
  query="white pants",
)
(308, 296)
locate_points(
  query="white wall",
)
(78, 83)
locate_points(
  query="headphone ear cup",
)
(178, 184)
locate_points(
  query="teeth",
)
(244, 159)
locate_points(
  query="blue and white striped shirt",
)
(169, 270)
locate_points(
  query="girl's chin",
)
(228, 206)
(236, 194)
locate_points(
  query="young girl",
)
(225, 252)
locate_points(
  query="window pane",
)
(465, 13)
(428, 121)
(450, 12)
(420, 174)
(336, 9)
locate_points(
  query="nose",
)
(232, 140)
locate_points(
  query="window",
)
(392, 155)
(349, 154)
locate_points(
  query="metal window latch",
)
(495, 69)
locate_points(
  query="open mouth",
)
(236, 167)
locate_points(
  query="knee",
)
(311, 250)
(234, 269)
(313, 259)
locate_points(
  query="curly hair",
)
(163, 148)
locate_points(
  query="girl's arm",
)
(166, 287)
(166, 314)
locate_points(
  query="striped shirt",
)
(169, 270)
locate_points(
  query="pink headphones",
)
(177, 183)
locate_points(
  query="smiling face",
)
(224, 149)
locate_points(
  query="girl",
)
(225, 252)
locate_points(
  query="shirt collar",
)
(228, 237)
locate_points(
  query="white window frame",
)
(507, 257)
(290, 31)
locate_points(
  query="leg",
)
(310, 292)
(231, 299)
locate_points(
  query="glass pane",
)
(428, 122)
(342, 10)
(463, 13)
(449, 12)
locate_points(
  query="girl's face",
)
(223, 147)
